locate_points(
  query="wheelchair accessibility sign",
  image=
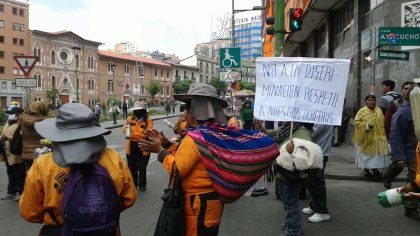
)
(230, 58)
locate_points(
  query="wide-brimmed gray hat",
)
(74, 121)
(201, 90)
(138, 106)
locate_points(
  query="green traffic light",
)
(297, 25)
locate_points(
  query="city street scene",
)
(236, 118)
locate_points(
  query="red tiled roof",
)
(132, 58)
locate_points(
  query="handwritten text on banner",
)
(301, 89)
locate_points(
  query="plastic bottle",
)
(415, 107)
(127, 131)
(390, 198)
(169, 124)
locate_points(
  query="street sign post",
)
(230, 76)
(393, 55)
(26, 63)
(25, 82)
(399, 36)
(230, 58)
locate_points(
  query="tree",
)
(153, 88)
(218, 84)
(182, 86)
(247, 85)
(52, 94)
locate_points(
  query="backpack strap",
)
(53, 217)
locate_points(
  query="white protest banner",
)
(301, 89)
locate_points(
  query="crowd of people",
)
(384, 139)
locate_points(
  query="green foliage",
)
(246, 85)
(218, 84)
(182, 86)
(153, 88)
(52, 94)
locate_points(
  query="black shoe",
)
(412, 213)
(387, 184)
(366, 173)
(376, 172)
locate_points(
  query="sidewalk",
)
(340, 165)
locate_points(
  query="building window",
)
(155, 72)
(111, 68)
(1, 23)
(15, 71)
(21, 12)
(343, 17)
(161, 73)
(14, 26)
(21, 27)
(38, 81)
(15, 41)
(1, 39)
(2, 54)
(1, 69)
(126, 69)
(90, 62)
(53, 82)
(14, 85)
(14, 11)
(1, 8)
(22, 43)
(64, 55)
(109, 85)
(53, 58)
(37, 53)
(90, 84)
(375, 3)
(4, 85)
(167, 74)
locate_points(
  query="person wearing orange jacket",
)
(137, 159)
(77, 138)
(203, 208)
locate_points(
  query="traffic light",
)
(295, 19)
(269, 21)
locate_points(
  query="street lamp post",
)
(76, 49)
(112, 66)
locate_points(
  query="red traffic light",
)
(297, 13)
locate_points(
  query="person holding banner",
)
(369, 138)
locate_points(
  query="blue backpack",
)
(90, 205)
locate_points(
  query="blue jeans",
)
(290, 191)
(316, 187)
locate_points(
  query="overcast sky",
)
(169, 26)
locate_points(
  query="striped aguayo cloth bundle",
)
(235, 158)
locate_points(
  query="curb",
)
(360, 178)
(157, 118)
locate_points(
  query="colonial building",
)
(14, 41)
(131, 76)
(68, 64)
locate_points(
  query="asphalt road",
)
(352, 204)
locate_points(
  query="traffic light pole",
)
(278, 27)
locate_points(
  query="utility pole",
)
(278, 27)
(233, 23)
